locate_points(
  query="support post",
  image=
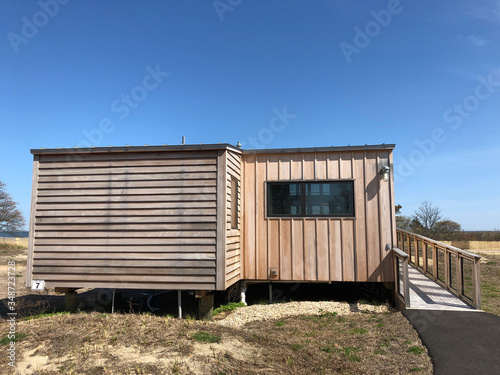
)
(476, 281)
(179, 303)
(71, 300)
(206, 307)
(270, 293)
(113, 303)
(244, 293)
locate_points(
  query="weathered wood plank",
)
(128, 248)
(126, 219)
(221, 219)
(298, 250)
(125, 278)
(129, 191)
(129, 198)
(128, 234)
(124, 212)
(134, 270)
(112, 155)
(333, 166)
(127, 227)
(323, 258)
(310, 249)
(348, 270)
(372, 217)
(127, 170)
(124, 206)
(261, 232)
(336, 262)
(126, 263)
(249, 218)
(124, 184)
(199, 175)
(274, 246)
(129, 285)
(131, 241)
(286, 249)
(127, 163)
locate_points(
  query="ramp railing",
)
(455, 269)
(402, 279)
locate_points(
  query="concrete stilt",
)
(179, 303)
(244, 293)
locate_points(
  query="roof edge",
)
(101, 150)
(320, 149)
(206, 147)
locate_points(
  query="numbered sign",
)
(37, 284)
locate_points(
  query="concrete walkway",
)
(459, 342)
(428, 295)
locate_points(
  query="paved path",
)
(427, 294)
(459, 342)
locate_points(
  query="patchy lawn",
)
(490, 283)
(93, 343)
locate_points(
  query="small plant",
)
(6, 340)
(360, 330)
(206, 337)
(380, 325)
(296, 347)
(380, 352)
(417, 369)
(46, 315)
(280, 323)
(386, 343)
(416, 350)
(228, 307)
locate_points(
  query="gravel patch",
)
(247, 314)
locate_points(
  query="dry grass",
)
(490, 283)
(146, 344)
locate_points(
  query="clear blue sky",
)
(269, 74)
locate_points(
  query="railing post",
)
(460, 276)
(447, 263)
(435, 262)
(476, 283)
(407, 282)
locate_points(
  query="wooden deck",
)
(426, 294)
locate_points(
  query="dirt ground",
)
(93, 342)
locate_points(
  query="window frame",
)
(303, 199)
(235, 222)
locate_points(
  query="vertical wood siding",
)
(319, 249)
(125, 220)
(233, 236)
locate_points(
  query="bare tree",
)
(11, 219)
(428, 216)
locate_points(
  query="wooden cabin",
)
(202, 217)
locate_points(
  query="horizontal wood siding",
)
(126, 220)
(319, 249)
(233, 236)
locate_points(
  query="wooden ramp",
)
(426, 294)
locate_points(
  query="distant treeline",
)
(19, 234)
(468, 236)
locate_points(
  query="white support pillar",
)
(244, 293)
(179, 303)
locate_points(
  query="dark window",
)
(305, 199)
(234, 203)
